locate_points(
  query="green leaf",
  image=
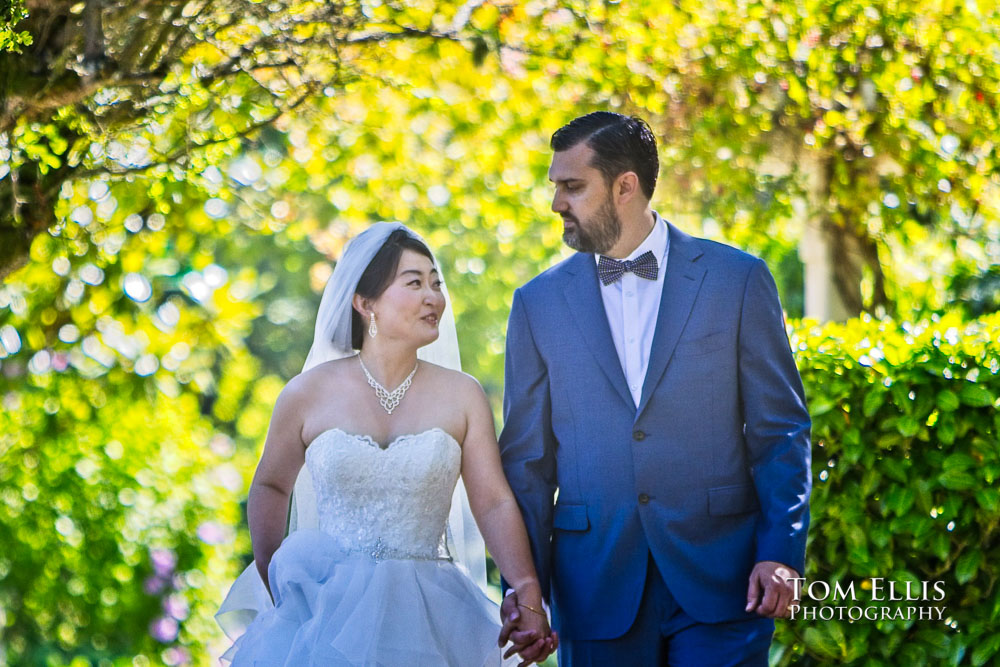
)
(836, 631)
(900, 499)
(856, 537)
(947, 400)
(968, 564)
(956, 650)
(935, 638)
(957, 480)
(853, 448)
(879, 535)
(819, 642)
(873, 401)
(976, 395)
(907, 426)
(940, 546)
(946, 431)
(911, 655)
(895, 469)
(958, 461)
(988, 499)
(820, 407)
(986, 650)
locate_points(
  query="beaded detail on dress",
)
(386, 503)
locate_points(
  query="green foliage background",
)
(906, 458)
(187, 220)
(92, 490)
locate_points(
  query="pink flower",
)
(164, 629)
(211, 532)
(176, 606)
(60, 361)
(153, 585)
(176, 655)
(164, 562)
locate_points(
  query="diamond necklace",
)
(388, 399)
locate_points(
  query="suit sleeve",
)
(527, 444)
(777, 423)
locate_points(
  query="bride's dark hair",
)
(379, 273)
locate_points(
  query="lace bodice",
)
(388, 503)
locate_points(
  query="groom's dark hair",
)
(379, 273)
(620, 143)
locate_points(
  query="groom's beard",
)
(601, 234)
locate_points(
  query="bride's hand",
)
(529, 623)
(532, 621)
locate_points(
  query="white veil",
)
(332, 340)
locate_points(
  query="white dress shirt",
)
(632, 303)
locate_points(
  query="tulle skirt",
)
(332, 608)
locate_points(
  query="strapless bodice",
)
(388, 503)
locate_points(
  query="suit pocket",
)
(704, 345)
(738, 499)
(570, 517)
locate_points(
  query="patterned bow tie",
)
(611, 270)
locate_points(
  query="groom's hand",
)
(771, 591)
(530, 646)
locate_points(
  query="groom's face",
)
(583, 199)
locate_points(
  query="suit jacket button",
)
(638, 435)
(643, 499)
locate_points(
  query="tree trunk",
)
(835, 258)
(27, 209)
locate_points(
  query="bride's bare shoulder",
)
(318, 379)
(453, 383)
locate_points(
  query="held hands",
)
(527, 627)
(771, 590)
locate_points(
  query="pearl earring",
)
(372, 327)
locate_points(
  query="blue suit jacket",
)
(710, 472)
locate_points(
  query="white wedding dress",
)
(374, 585)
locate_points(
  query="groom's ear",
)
(626, 187)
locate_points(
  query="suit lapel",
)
(583, 296)
(680, 288)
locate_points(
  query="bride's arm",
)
(492, 502)
(284, 453)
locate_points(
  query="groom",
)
(655, 427)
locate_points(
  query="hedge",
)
(905, 467)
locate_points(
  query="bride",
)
(367, 574)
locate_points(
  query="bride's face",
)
(411, 307)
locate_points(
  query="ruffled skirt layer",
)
(337, 609)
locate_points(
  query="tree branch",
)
(185, 151)
(32, 110)
(156, 47)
